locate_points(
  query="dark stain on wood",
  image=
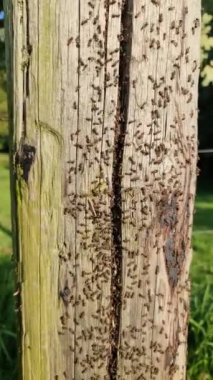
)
(168, 222)
(25, 158)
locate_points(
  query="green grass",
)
(3, 112)
(8, 341)
(203, 218)
(200, 362)
(5, 224)
(8, 348)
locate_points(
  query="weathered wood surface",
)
(104, 154)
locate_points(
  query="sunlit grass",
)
(200, 363)
(5, 223)
(8, 350)
(201, 319)
(3, 111)
(8, 346)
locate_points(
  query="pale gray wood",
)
(104, 135)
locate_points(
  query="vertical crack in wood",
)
(28, 48)
(116, 205)
(40, 170)
(105, 73)
(76, 176)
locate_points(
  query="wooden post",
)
(104, 151)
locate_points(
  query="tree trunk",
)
(104, 151)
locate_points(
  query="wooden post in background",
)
(103, 98)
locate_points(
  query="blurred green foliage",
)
(4, 140)
(4, 143)
(8, 341)
(200, 348)
(206, 88)
(8, 347)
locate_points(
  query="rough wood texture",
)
(104, 150)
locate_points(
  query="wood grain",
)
(103, 100)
